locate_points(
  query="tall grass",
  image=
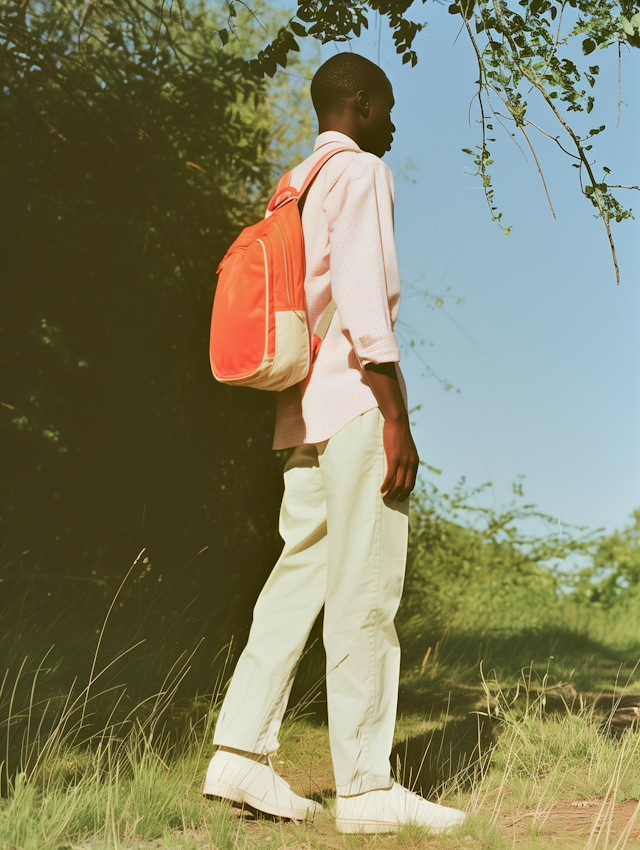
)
(123, 790)
(497, 715)
(80, 765)
(133, 779)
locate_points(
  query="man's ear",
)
(362, 103)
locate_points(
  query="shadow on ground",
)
(426, 762)
(450, 680)
(565, 653)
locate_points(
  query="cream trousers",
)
(344, 548)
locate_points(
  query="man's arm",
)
(400, 450)
(363, 258)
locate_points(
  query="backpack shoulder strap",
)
(325, 320)
(285, 192)
(321, 331)
(311, 176)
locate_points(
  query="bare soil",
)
(597, 819)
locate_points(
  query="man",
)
(344, 514)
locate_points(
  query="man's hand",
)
(399, 448)
(402, 460)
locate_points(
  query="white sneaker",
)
(249, 781)
(387, 809)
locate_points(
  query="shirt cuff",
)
(379, 349)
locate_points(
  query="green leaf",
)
(454, 9)
(467, 150)
(588, 46)
(466, 8)
(270, 64)
(224, 36)
(292, 44)
(298, 29)
(280, 55)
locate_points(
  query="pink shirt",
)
(347, 223)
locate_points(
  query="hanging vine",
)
(521, 46)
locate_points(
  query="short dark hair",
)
(341, 77)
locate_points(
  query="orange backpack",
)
(259, 332)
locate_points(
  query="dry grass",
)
(533, 762)
(530, 779)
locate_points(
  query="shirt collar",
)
(333, 137)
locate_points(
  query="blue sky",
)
(544, 351)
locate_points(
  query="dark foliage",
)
(133, 150)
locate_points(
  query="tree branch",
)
(544, 182)
(584, 160)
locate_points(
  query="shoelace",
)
(409, 793)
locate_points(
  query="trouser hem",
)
(242, 744)
(361, 786)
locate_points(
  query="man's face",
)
(378, 129)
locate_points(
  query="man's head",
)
(353, 96)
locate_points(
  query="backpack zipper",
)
(284, 255)
(266, 309)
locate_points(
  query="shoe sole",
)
(242, 798)
(372, 826)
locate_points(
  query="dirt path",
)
(581, 820)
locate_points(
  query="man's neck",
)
(336, 126)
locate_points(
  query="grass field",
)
(535, 759)
(518, 703)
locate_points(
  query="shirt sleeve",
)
(363, 260)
